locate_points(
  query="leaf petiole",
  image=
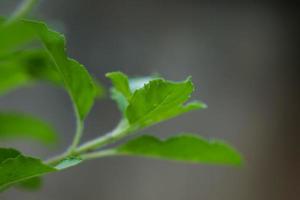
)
(119, 132)
(78, 133)
(99, 154)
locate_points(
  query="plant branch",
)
(83, 151)
(119, 132)
(99, 154)
(78, 133)
(56, 159)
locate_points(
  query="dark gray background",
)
(243, 59)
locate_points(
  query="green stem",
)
(83, 151)
(23, 9)
(56, 159)
(99, 154)
(78, 133)
(119, 132)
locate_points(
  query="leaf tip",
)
(115, 73)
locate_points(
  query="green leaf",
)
(153, 100)
(160, 100)
(77, 81)
(17, 168)
(6, 153)
(26, 67)
(139, 82)
(186, 147)
(124, 87)
(68, 162)
(76, 78)
(14, 37)
(120, 82)
(121, 92)
(119, 98)
(20, 126)
(99, 89)
(31, 184)
(35, 183)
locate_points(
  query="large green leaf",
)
(25, 172)
(76, 78)
(160, 100)
(36, 182)
(81, 87)
(8, 153)
(20, 126)
(186, 147)
(31, 184)
(24, 68)
(15, 167)
(14, 36)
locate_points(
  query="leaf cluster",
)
(31, 52)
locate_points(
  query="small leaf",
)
(186, 147)
(68, 162)
(160, 100)
(16, 125)
(120, 82)
(153, 100)
(119, 98)
(139, 82)
(17, 168)
(124, 87)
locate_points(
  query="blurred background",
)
(244, 59)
